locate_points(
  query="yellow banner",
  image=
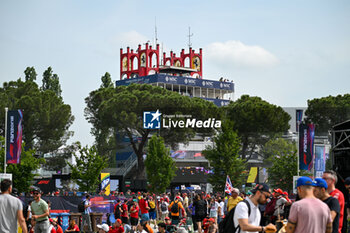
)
(106, 183)
(252, 175)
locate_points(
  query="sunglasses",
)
(35, 193)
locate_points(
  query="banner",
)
(14, 136)
(306, 146)
(320, 160)
(252, 175)
(298, 118)
(106, 183)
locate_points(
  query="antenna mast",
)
(155, 30)
(189, 37)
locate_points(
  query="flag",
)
(228, 185)
(14, 136)
(299, 118)
(306, 146)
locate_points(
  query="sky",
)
(286, 52)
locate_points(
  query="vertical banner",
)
(252, 175)
(14, 136)
(306, 146)
(320, 160)
(106, 183)
(298, 118)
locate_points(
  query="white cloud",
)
(132, 39)
(238, 55)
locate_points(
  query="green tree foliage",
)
(51, 82)
(46, 117)
(88, 167)
(328, 111)
(30, 74)
(106, 81)
(256, 122)
(224, 158)
(160, 167)
(24, 172)
(121, 108)
(283, 157)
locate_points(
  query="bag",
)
(25, 211)
(270, 207)
(175, 208)
(163, 207)
(81, 206)
(227, 225)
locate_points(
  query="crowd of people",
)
(318, 207)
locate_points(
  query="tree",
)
(106, 81)
(30, 74)
(46, 117)
(224, 158)
(283, 157)
(256, 122)
(121, 109)
(88, 167)
(328, 111)
(24, 172)
(51, 82)
(160, 167)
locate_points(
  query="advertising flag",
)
(14, 136)
(106, 183)
(228, 185)
(298, 118)
(306, 146)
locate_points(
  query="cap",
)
(235, 190)
(103, 226)
(347, 181)
(134, 200)
(280, 191)
(262, 187)
(319, 182)
(166, 218)
(211, 220)
(177, 197)
(304, 180)
(119, 221)
(285, 193)
(54, 219)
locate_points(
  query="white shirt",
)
(222, 205)
(241, 212)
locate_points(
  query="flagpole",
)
(6, 110)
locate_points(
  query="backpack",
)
(163, 207)
(81, 206)
(25, 211)
(227, 225)
(175, 208)
(270, 207)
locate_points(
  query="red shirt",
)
(59, 229)
(143, 205)
(125, 210)
(336, 193)
(116, 230)
(75, 228)
(136, 214)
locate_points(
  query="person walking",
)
(234, 199)
(86, 215)
(321, 193)
(11, 210)
(308, 214)
(175, 207)
(40, 213)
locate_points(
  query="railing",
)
(127, 165)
